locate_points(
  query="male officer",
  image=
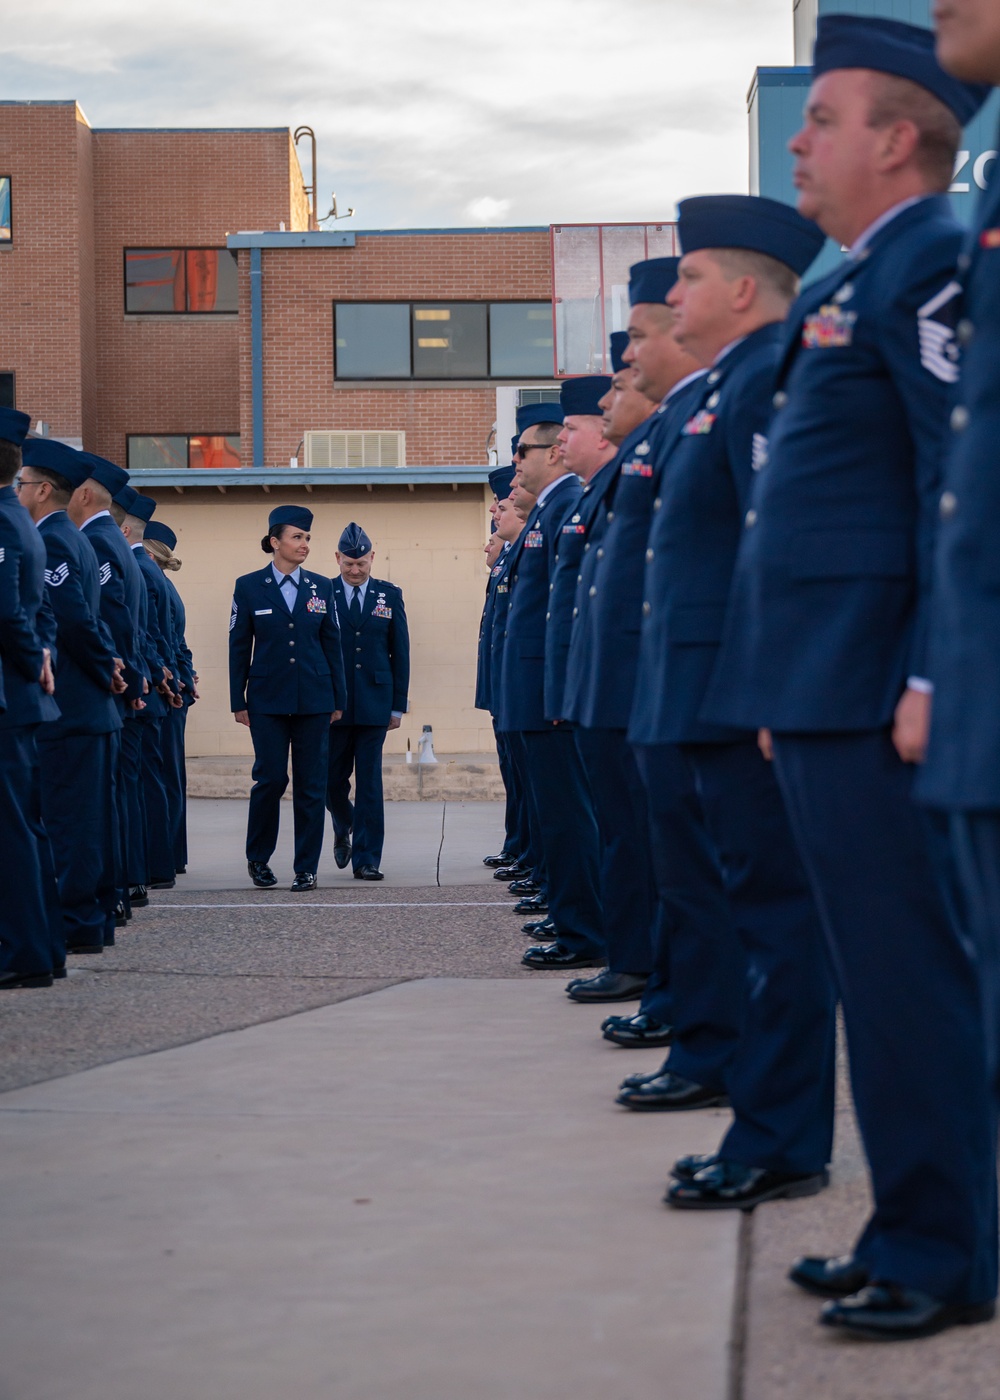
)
(376, 645)
(160, 652)
(78, 751)
(31, 945)
(160, 543)
(515, 841)
(286, 683)
(604, 649)
(554, 773)
(962, 770)
(827, 624)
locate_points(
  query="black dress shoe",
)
(607, 986)
(58, 973)
(731, 1186)
(162, 884)
(261, 874)
(555, 955)
(303, 882)
(76, 948)
(527, 886)
(181, 870)
(121, 918)
(138, 896)
(634, 1032)
(632, 1081)
(830, 1278)
(368, 872)
(669, 1093)
(886, 1312)
(539, 928)
(505, 858)
(687, 1167)
(534, 904)
(10, 981)
(342, 854)
(511, 872)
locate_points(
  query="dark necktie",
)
(354, 610)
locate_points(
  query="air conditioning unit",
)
(361, 449)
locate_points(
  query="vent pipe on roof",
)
(297, 134)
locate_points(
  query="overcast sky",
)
(446, 113)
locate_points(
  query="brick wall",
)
(177, 374)
(43, 148)
(444, 425)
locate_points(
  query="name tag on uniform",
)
(262, 612)
(637, 469)
(534, 539)
(316, 605)
(703, 422)
(829, 328)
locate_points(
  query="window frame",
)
(12, 375)
(9, 242)
(184, 248)
(141, 471)
(411, 303)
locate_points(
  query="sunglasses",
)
(524, 448)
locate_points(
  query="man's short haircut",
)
(769, 274)
(117, 514)
(662, 314)
(60, 486)
(547, 433)
(10, 461)
(898, 99)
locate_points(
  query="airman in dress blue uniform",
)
(31, 944)
(138, 512)
(121, 606)
(286, 683)
(160, 542)
(604, 650)
(78, 751)
(376, 646)
(825, 645)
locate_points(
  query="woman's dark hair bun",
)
(265, 545)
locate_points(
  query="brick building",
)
(143, 321)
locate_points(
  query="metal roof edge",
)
(293, 477)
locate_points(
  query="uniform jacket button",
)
(579, 578)
(657, 503)
(575, 611)
(646, 609)
(965, 330)
(611, 516)
(358, 666)
(292, 660)
(586, 547)
(649, 556)
(750, 518)
(959, 418)
(600, 554)
(593, 591)
(780, 399)
(948, 505)
(547, 616)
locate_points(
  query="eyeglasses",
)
(20, 481)
(524, 448)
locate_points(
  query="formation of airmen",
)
(733, 588)
(97, 680)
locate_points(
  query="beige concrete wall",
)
(428, 541)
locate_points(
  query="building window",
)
(177, 451)
(6, 228)
(7, 390)
(180, 281)
(443, 340)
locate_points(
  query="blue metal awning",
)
(291, 478)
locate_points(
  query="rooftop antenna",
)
(333, 211)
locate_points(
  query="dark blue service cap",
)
(354, 542)
(298, 516)
(56, 457)
(142, 507)
(619, 344)
(501, 480)
(750, 222)
(890, 46)
(513, 446)
(14, 425)
(106, 474)
(531, 413)
(650, 281)
(156, 530)
(583, 394)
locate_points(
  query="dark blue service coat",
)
(122, 598)
(85, 665)
(522, 679)
(831, 595)
(281, 662)
(26, 622)
(710, 453)
(376, 655)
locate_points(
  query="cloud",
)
(420, 105)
